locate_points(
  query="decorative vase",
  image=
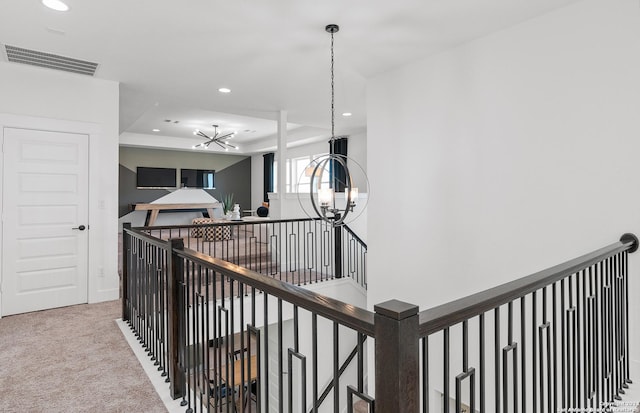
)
(235, 215)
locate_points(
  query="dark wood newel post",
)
(397, 357)
(175, 267)
(125, 270)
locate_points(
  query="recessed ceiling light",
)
(346, 114)
(224, 90)
(156, 130)
(55, 5)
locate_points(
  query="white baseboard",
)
(162, 388)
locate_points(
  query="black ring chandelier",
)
(323, 197)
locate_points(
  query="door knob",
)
(81, 227)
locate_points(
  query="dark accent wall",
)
(129, 194)
(235, 179)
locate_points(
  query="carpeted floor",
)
(71, 359)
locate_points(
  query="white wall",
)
(83, 104)
(510, 154)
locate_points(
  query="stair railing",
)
(298, 251)
(557, 340)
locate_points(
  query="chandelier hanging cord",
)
(332, 28)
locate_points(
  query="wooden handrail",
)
(221, 223)
(454, 312)
(346, 314)
(354, 235)
(163, 207)
(146, 237)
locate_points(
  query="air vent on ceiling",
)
(49, 60)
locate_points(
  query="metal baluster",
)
(224, 344)
(303, 379)
(467, 373)
(598, 333)
(425, 374)
(554, 332)
(296, 340)
(314, 344)
(619, 326)
(523, 353)
(574, 328)
(336, 367)
(280, 360)
(577, 343)
(609, 330)
(513, 348)
(482, 364)
(534, 351)
(604, 396)
(496, 328)
(590, 348)
(243, 344)
(584, 338)
(361, 337)
(563, 334)
(625, 255)
(446, 361)
(207, 337)
(547, 349)
(183, 313)
(266, 352)
(615, 388)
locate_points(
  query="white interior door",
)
(44, 220)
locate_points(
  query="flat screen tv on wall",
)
(155, 177)
(197, 178)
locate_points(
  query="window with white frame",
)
(299, 171)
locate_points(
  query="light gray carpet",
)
(71, 359)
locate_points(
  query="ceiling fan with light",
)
(220, 139)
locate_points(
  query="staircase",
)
(556, 340)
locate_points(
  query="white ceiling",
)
(171, 57)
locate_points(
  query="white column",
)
(281, 159)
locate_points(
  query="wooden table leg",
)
(154, 216)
